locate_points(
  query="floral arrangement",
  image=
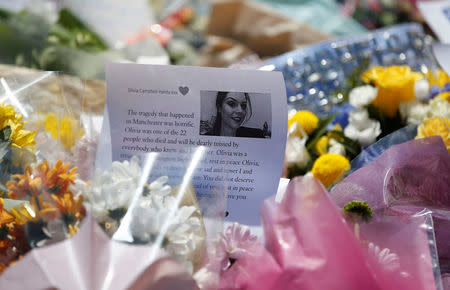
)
(382, 100)
(379, 241)
(45, 198)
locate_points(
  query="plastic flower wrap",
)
(386, 253)
(405, 180)
(48, 213)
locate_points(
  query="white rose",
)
(414, 112)
(296, 153)
(336, 147)
(440, 107)
(364, 135)
(421, 89)
(362, 96)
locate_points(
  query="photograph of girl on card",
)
(235, 114)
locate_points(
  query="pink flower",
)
(236, 242)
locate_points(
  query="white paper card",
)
(437, 15)
(114, 20)
(442, 54)
(171, 108)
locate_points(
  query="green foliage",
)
(319, 132)
(69, 31)
(67, 45)
(352, 147)
(117, 214)
(387, 125)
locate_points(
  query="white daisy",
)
(109, 193)
(184, 234)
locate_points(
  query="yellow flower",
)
(333, 135)
(436, 126)
(445, 96)
(51, 125)
(23, 213)
(67, 129)
(322, 145)
(306, 121)
(38, 209)
(7, 112)
(330, 168)
(395, 85)
(439, 79)
(20, 138)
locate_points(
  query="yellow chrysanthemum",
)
(67, 129)
(306, 121)
(437, 126)
(395, 85)
(439, 79)
(20, 138)
(322, 145)
(330, 168)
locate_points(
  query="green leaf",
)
(117, 214)
(4, 149)
(70, 31)
(352, 147)
(5, 133)
(319, 132)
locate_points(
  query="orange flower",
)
(57, 179)
(43, 209)
(42, 179)
(395, 85)
(69, 206)
(5, 216)
(23, 185)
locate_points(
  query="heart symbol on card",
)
(183, 90)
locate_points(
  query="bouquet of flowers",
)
(354, 99)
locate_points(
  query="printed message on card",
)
(238, 116)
